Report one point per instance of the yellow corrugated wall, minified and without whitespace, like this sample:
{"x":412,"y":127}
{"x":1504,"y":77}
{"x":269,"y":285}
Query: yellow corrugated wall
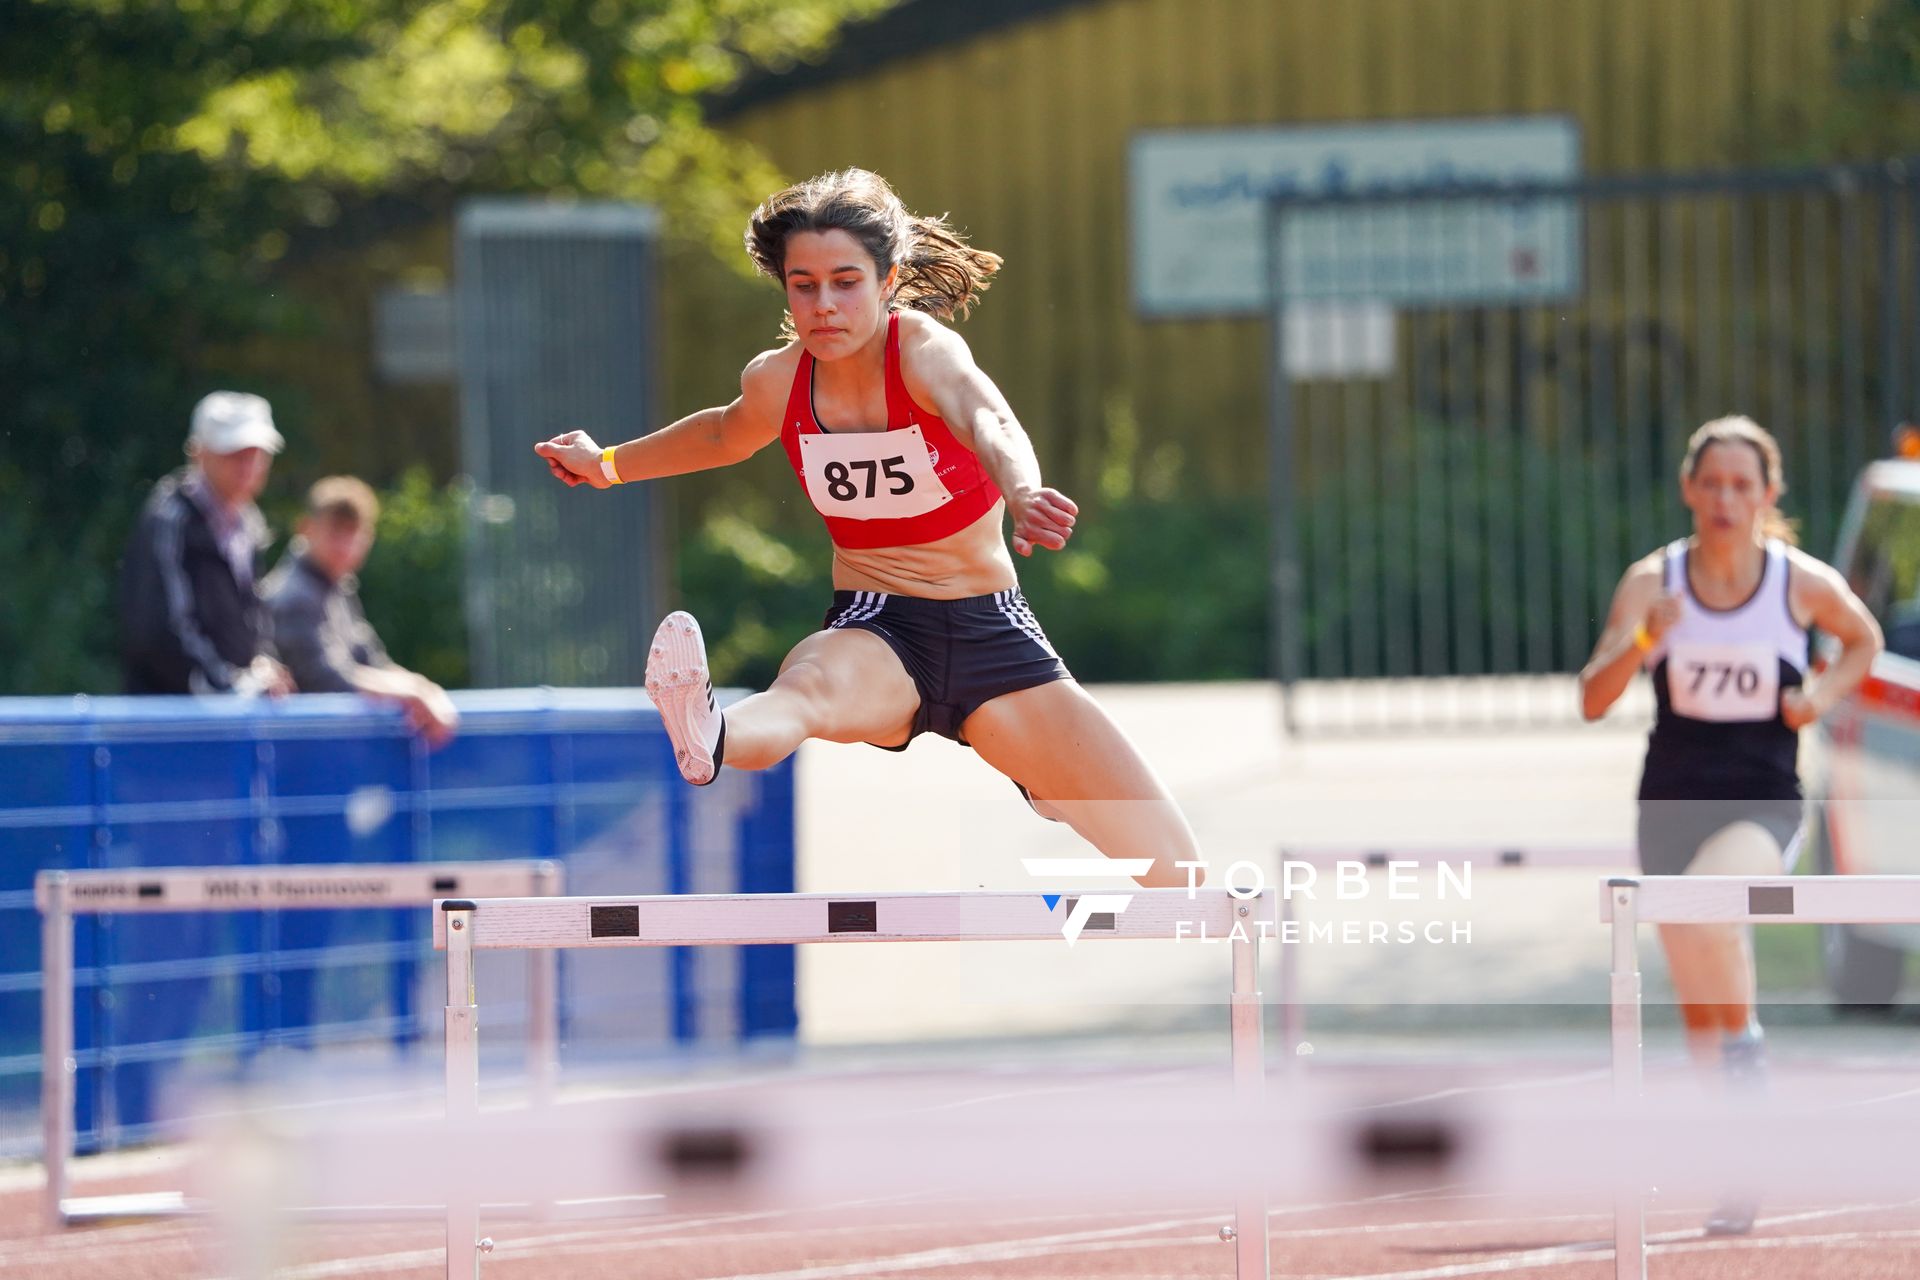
{"x":1022,"y":135}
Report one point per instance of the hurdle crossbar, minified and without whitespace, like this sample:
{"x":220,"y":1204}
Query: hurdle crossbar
{"x":464,"y":926}
{"x":62,"y":895}
{"x":1479,"y":855}
{"x":755,"y":918}
{"x":1626,"y":902}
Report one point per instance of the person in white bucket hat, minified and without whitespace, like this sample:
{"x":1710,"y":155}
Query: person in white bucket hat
{"x":190,"y":619}
{"x":230,"y":422}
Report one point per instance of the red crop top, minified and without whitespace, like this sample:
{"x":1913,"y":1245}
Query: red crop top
{"x":909,"y":484}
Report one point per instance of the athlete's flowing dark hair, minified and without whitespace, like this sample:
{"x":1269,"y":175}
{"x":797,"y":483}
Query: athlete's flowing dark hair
{"x":940,"y":272}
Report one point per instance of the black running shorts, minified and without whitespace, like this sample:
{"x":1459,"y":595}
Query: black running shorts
{"x":1672,"y":831}
{"x":960,"y":653}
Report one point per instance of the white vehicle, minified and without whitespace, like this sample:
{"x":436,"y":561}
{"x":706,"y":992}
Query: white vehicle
{"x":1864,"y":811}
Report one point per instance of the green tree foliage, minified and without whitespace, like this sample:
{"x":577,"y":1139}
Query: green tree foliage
{"x":1878,"y":73}
{"x":1871,"y":108}
{"x":166,"y":164}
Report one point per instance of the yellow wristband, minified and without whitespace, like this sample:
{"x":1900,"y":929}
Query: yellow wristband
{"x":1641,"y":639}
{"x":607,"y":468}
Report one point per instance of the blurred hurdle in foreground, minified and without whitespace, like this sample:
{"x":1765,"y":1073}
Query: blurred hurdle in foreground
{"x":823,"y":1144}
{"x":464,"y":926}
{"x":61,"y":895}
{"x":1627,"y":902}
{"x":973,"y":1149}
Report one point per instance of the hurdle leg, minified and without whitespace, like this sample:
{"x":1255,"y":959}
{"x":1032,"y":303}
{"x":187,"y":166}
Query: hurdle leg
{"x":1293,"y":1017}
{"x":543,"y":1014}
{"x":543,"y":1000}
{"x":56,"y":1045}
{"x":1629,"y":1209}
{"x":1249,"y":1090}
{"x":463,"y":1088}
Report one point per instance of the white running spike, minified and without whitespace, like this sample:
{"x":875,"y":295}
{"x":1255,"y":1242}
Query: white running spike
{"x":678,"y":683}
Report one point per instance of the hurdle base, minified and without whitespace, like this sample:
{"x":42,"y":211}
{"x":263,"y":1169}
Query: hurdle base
{"x":514,"y":1211}
{"x":139,"y":1204}
{"x":82,"y":1210}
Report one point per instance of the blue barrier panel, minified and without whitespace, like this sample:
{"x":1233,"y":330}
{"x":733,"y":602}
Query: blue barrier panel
{"x":582,"y":776}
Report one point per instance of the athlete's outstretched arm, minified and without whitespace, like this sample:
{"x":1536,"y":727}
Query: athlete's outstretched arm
{"x":1833,"y":608}
{"x":716,"y":437}
{"x":939,"y":371}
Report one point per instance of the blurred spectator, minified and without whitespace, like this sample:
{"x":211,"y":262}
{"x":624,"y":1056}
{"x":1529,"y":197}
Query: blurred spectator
{"x":319,"y":627}
{"x":190,"y":620}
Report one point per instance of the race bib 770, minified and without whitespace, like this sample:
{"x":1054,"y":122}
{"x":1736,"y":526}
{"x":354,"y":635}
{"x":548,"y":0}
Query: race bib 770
{"x":1724,"y":682}
{"x":871,"y":475}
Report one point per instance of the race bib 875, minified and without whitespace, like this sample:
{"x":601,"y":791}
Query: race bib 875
{"x":1724,"y":682}
{"x":871,"y":475}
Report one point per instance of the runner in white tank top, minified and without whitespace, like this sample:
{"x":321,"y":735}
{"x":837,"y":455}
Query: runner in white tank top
{"x":1720,"y":621}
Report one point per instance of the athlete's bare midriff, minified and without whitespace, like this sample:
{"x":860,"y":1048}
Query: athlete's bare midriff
{"x":972,"y":562}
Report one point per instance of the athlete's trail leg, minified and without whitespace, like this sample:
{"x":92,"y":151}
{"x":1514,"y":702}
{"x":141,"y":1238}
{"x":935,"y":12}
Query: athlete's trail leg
{"x":1063,"y":747}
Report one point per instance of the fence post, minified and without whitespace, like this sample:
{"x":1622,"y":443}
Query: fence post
{"x":57,"y":1068}
{"x":1282,"y":488}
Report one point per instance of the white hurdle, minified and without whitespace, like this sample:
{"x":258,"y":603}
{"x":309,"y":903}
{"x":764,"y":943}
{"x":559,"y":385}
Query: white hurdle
{"x":62,"y":895}
{"x":464,"y":926}
{"x":1480,"y":855}
{"x":825,"y":1143}
{"x":1626,"y":902}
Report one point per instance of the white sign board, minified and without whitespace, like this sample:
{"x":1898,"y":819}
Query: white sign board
{"x":1198,"y":201}
{"x":1339,"y":340}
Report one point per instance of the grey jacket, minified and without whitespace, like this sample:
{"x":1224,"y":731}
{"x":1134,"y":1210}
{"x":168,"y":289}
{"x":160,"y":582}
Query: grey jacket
{"x":319,"y":627}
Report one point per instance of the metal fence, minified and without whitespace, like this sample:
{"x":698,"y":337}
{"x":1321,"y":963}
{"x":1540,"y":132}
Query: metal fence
{"x":1481,"y":395}
{"x":557,"y":332}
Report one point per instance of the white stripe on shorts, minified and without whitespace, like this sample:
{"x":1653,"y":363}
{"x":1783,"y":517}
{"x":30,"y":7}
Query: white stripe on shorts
{"x":866,"y":605}
{"x":1021,"y":615}
{"x":1791,"y":854}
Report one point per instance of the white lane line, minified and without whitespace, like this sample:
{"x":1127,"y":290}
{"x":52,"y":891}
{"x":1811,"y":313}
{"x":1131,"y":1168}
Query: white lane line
{"x":1885,"y":1097}
{"x":1461,"y":1091}
{"x":50,"y":1257}
{"x":1554,"y":1257}
{"x":89,"y":1238}
{"x":406,"y":1259}
{"x":1043,"y":1246}
{"x":882,"y":1226}
{"x":997,"y":1251}
{"x":1014,"y":1251}
{"x":1691,"y":1240}
{"x":661,"y":1234}
{"x":1837,"y":1211}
